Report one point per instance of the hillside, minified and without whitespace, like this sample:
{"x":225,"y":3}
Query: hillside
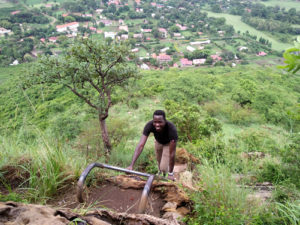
{"x":247,"y":127}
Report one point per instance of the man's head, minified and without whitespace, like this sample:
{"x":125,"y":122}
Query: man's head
{"x":159,"y":120}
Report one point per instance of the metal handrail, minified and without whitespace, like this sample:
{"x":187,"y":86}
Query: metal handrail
{"x":145,"y":193}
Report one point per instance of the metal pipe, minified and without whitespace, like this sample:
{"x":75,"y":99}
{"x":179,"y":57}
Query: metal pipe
{"x":145,"y":193}
{"x":84,"y":174}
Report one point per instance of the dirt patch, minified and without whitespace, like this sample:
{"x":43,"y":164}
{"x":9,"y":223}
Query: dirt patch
{"x":108,"y":195}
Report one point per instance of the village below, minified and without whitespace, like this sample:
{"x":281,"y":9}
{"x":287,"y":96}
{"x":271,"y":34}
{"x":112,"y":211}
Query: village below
{"x":161,"y":33}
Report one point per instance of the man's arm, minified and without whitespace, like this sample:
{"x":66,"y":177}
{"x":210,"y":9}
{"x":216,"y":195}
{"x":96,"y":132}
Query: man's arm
{"x":138,"y":150}
{"x":172,"y":155}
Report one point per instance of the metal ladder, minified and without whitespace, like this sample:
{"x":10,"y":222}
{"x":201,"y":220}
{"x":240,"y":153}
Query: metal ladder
{"x":146,"y":190}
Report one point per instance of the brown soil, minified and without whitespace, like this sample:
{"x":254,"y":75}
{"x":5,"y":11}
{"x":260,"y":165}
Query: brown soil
{"x":107,"y":195}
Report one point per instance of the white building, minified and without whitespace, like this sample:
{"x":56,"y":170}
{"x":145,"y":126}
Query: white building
{"x":190,"y":48}
{"x":67,"y":27}
{"x":123,"y":27}
{"x":4,"y":31}
{"x":145,"y":67}
{"x":198,"y":61}
{"x":200,"y":42}
{"x":164,"y":49}
{"x":111,"y":35}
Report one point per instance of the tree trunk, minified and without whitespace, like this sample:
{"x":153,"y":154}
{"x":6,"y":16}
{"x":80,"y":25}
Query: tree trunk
{"x":104,"y":133}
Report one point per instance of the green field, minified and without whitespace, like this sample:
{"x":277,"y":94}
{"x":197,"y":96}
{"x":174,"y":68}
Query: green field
{"x":243,"y":27}
{"x":286,"y":4}
{"x":5,"y":4}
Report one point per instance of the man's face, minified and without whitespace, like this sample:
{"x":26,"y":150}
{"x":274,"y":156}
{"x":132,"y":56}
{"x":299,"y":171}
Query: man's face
{"x":159,"y":122}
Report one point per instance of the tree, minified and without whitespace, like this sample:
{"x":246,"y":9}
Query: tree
{"x":90,"y":69}
{"x":292,"y":58}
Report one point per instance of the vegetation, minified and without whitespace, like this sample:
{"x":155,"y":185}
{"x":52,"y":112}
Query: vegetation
{"x":90,"y":69}
{"x":223,"y":114}
{"x":240,"y":120}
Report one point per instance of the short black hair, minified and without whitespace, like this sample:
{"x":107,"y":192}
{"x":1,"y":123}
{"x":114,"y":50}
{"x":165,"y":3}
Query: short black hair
{"x":160,"y":113}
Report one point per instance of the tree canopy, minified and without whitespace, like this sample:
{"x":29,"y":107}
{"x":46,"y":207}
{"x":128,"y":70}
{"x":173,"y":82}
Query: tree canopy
{"x":90,"y":69}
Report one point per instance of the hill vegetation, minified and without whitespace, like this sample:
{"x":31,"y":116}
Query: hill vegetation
{"x":199,"y":62}
{"x":221,"y":114}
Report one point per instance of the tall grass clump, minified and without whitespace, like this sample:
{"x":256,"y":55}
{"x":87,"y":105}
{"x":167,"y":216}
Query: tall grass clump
{"x":289,"y":212}
{"x":221,"y":201}
{"x":48,"y":165}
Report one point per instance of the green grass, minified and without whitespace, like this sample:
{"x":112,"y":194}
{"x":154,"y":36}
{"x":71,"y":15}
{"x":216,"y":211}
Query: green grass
{"x":283,"y":4}
{"x":238,"y":25}
{"x":5,"y":4}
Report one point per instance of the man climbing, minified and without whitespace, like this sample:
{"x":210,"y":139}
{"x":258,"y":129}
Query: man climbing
{"x":165,"y":134}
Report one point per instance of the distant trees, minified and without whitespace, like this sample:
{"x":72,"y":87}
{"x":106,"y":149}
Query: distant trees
{"x":90,"y":69}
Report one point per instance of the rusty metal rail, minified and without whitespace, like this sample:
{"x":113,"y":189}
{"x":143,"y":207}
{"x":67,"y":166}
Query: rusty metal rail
{"x":145,"y":193}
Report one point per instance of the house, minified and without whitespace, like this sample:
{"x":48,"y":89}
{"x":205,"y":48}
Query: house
{"x":177,"y":34}
{"x":221,"y":33}
{"x":4,"y":31}
{"x":14,"y":63}
{"x":123,"y":27}
{"x":190,"y":48}
{"x":163,"y":58}
{"x":135,"y":50}
{"x":93,"y":29}
{"x":146,"y":30}
{"x":105,"y":22}
{"x":43,"y":40}
{"x":121,"y":22}
{"x":163,"y":32}
{"x":181,"y":27}
{"x":216,"y":57}
{"x":15,"y":12}
{"x":198,"y":61}
{"x":175,"y":65}
{"x":65,"y":14}
{"x":68,"y":26}
{"x":261,"y":54}
{"x":153,"y":4}
{"x":137,"y":35}
{"x":164,"y":49}
{"x":99,"y":11}
{"x":48,"y":5}
{"x":99,"y":31}
{"x":124,"y":36}
{"x":200,"y":42}
{"x":87,"y":15}
{"x":154,"y":56}
{"x":111,"y":35}
{"x":52,"y":39}
{"x":145,"y":67}
{"x":138,"y":2}
{"x":185,"y":62}
{"x":242,"y":48}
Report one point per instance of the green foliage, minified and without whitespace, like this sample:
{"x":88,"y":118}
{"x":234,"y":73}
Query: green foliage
{"x":292,"y":58}
{"x":187,"y":119}
{"x":220,"y":201}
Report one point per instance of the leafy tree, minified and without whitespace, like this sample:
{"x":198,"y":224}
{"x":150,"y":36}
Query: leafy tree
{"x":90,"y":69}
{"x":190,"y":122}
{"x":292,"y":58}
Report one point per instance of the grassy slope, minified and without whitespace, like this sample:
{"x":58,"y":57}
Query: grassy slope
{"x":149,"y":93}
{"x":238,"y":25}
{"x":286,"y":4}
